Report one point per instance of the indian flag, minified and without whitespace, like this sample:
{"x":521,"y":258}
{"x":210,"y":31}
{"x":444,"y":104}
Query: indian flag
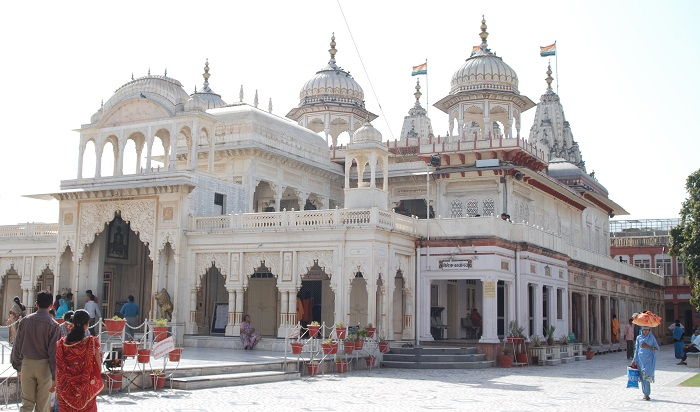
{"x":550,"y":50}
{"x":420,"y":69}
{"x":476,"y":48}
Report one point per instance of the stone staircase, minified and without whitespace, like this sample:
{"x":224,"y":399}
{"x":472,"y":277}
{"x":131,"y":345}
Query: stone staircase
{"x":435,"y":358}
{"x":233,"y":375}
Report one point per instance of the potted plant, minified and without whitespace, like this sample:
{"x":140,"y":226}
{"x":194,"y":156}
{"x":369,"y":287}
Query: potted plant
{"x":144,"y":356}
{"x":329,"y":346}
{"x":297,"y":347}
{"x":505,"y":360}
{"x":312,"y":368}
{"x":515,"y":333}
{"x":383,"y":345}
{"x":114,"y":376}
{"x":535,"y":342}
{"x":115,"y":326}
{"x":550,"y":335}
{"x":348,"y":346}
{"x":313,"y":329}
{"x":589,"y":352}
{"x":359,"y":339}
{"x":175,"y":355}
{"x":370,"y":361}
{"x":160,"y":330}
{"x":158,"y":379}
{"x":340,"y":330}
{"x":130,"y":348}
{"x":370,"y":331}
{"x":341,"y":365}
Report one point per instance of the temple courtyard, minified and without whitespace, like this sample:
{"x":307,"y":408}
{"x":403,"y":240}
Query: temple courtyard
{"x":598,"y":384}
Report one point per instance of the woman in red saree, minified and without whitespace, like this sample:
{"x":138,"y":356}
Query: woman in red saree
{"x":78,"y":368}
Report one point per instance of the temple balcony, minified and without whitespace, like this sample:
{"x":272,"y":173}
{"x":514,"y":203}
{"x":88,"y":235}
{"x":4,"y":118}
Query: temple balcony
{"x":29,"y":231}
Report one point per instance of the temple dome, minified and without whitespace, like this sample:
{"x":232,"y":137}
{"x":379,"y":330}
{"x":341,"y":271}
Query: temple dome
{"x":366,"y":134}
{"x":332,"y":84}
{"x":483,"y":70}
{"x":161,"y":86}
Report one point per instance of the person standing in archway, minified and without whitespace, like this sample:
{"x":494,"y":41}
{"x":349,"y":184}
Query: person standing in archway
{"x":130,"y":312}
{"x":17,"y":312}
{"x":93,"y":309}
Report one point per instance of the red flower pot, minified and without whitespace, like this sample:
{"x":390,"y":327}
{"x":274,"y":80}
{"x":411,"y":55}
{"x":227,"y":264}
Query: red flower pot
{"x":144,"y":356}
{"x":505,"y":361}
{"x":521,"y":357}
{"x":370,"y":361}
{"x":383,"y":347}
{"x":341,"y":366}
{"x":371,"y":332}
{"x":341,"y":333}
{"x":158,"y":380}
{"x":313,"y":330}
{"x":330,"y":348}
{"x":175,"y":355}
{"x":312,"y":368}
{"x":160,"y":333}
{"x":297,"y":347}
{"x":114,"y":327}
{"x":349,"y":347}
{"x":359,"y":344}
{"x":130,"y":348}
{"x":113,"y":381}
{"x":589,"y":355}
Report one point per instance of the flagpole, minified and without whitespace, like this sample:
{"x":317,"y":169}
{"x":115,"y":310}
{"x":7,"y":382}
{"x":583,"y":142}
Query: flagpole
{"x":427,"y":90}
{"x":556,"y":63}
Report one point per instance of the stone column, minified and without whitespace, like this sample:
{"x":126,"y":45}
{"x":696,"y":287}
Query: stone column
{"x":231,"y":312}
{"x":149,"y":149}
{"x":489,"y":303}
{"x":292,"y":307}
{"x":423,"y":315}
{"x":173,"y":148}
{"x":194,"y":149}
{"x":586,"y":322}
{"x":284,"y":305}
{"x":510,"y":302}
{"x":598,"y":320}
{"x":552,"y":291}
{"x":537,"y":315}
{"x":192,"y":327}
{"x":385,"y":174}
{"x":81,"y":155}
{"x":98,"y":159}
{"x":238,"y":314}
{"x":348,"y":165}
{"x":373,"y":170}
{"x":570,"y":313}
{"x":302,"y":197}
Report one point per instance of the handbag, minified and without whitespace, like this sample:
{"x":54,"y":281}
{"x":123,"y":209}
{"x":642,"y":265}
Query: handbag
{"x":632,"y":377}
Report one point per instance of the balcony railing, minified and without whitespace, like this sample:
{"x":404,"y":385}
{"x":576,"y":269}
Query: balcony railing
{"x":638,"y":241}
{"x":29,"y":230}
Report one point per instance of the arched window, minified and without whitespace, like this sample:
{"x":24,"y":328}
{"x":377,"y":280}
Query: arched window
{"x":472,"y":207}
{"x":456,"y":208}
{"x":489,"y":207}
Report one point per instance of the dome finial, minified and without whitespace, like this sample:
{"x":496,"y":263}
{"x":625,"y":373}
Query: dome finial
{"x":166,"y":72}
{"x":484,"y":34}
{"x":149,"y":71}
{"x":240,"y":94}
{"x":417,"y":94}
{"x":549,"y":77}
{"x":269,"y":105}
{"x":332,"y":50}
{"x":206,"y":76}
{"x":255,"y":100}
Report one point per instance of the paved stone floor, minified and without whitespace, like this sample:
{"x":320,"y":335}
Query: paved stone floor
{"x":593,"y":385}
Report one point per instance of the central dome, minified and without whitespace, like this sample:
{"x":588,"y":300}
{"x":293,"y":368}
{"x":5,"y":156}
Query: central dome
{"x":332,"y":84}
{"x":483,"y":70}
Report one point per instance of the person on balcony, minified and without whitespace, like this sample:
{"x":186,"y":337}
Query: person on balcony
{"x":645,"y":359}
{"x":248,"y":336}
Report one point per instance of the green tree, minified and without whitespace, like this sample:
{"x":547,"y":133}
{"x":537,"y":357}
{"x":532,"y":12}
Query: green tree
{"x":685,"y":238}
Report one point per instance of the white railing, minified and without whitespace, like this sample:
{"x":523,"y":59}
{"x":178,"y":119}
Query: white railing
{"x":637,"y":241}
{"x":29,"y":230}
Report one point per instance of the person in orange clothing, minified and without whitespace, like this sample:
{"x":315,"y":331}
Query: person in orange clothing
{"x":300,"y":308}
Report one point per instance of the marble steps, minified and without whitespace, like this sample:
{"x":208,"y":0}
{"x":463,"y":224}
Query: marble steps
{"x":231,"y":379}
{"x":437,"y":365}
{"x":435,"y":358}
{"x":400,"y":357}
{"x":423,"y":350}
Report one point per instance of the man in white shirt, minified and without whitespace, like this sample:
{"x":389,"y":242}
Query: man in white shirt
{"x":693,"y":347}
{"x":93,"y":309}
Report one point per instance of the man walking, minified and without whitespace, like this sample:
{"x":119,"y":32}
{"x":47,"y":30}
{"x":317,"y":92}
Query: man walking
{"x":130,"y":312}
{"x":34,"y":355}
{"x":93,"y":309}
{"x":629,"y":339}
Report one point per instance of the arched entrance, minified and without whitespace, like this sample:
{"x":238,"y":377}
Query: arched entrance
{"x":11,"y":287}
{"x":212,"y":303}
{"x":316,"y":296}
{"x":117,"y":264}
{"x":44,"y":281}
{"x":261,"y":301}
{"x":358,"y":300}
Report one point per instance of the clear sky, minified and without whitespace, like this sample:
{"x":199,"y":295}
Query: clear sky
{"x":628,"y":74}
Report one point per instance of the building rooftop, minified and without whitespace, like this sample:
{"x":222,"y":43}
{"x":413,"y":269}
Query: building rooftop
{"x":642,"y":227}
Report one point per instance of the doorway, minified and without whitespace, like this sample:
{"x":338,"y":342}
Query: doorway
{"x":11,"y":287}
{"x":212,"y":303}
{"x":261,"y":303}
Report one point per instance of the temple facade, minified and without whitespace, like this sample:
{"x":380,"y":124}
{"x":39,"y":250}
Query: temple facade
{"x":229,"y":209}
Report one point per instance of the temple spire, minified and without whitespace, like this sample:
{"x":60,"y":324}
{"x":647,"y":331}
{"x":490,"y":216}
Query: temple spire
{"x":332,"y":51}
{"x":549,"y":77}
{"x":418,"y":94}
{"x":484,"y":34}
{"x":206,"y":76}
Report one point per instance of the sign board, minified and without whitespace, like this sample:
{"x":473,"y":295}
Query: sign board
{"x":163,"y":347}
{"x":489,"y":289}
{"x":455,"y":264}
{"x":220,"y":318}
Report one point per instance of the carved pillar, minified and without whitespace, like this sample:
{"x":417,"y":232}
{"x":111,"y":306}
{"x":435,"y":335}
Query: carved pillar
{"x":238,"y":314}
{"x":292,"y":307}
{"x":81,"y":155}
{"x":231,"y":312}
{"x":586,"y":321}
{"x":373,"y":170}
{"x":173,"y":148}
{"x":192,"y":327}
{"x":284,"y":306}
{"x":98,"y":159}
{"x":302,"y":197}
{"x":537,"y":315}
{"x":489,"y":301}
{"x":195,"y":144}
{"x":348,"y":165}
{"x":385,"y":174}
{"x":149,"y":148}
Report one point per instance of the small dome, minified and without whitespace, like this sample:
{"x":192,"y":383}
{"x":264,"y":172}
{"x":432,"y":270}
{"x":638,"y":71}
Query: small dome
{"x":366,"y":134}
{"x":204,"y":101}
{"x":483,"y":70}
{"x":163,"y":86}
{"x":332,"y":84}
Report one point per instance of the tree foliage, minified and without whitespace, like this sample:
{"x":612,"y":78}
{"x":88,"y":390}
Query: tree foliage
{"x":685,"y":238}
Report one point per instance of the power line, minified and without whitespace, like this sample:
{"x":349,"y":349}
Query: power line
{"x":357,"y":50}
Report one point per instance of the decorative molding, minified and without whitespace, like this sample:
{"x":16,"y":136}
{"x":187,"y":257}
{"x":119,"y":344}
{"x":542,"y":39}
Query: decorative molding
{"x":44,"y":262}
{"x":252,"y":261}
{"x":167,"y":236}
{"x":140,"y":214}
{"x":204,"y":261}
{"x":306,"y":259}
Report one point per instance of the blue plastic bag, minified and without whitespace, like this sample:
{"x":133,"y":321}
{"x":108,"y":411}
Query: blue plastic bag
{"x":632,"y":377}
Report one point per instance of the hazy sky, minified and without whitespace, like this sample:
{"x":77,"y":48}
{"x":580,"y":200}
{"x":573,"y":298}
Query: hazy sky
{"x":628,"y":74}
